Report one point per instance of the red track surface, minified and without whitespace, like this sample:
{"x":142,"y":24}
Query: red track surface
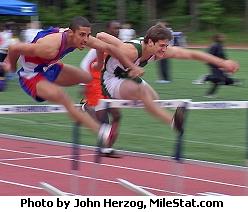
{"x":24,"y":164}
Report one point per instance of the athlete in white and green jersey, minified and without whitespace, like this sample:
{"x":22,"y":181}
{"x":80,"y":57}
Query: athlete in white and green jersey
{"x":121,"y":83}
{"x":115,"y":73}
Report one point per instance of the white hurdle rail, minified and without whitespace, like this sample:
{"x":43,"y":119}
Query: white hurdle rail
{"x":30,"y":109}
{"x":113,"y":103}
{"x":104,"y":103}
{"x":120,"y":103}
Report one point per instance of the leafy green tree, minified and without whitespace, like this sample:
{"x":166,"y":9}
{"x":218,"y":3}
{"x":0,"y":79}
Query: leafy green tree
{"x":56,"y":16}
{"x":106,"y":10}
{"x":246,"y":15}
{"x":136,"y":14}
{"x":49,"y":16}
{"x":210,"y":13}
{"x":73,"y":10}
{"x":193,"y":10}
{"x":177,"y":14}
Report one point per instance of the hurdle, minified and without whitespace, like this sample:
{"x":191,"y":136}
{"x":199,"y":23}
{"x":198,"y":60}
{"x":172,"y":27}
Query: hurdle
{"x":178,"y":169}
{"x":177,"y":156}
{"x":209,"y":105}
{"x":120,"y":103}
{"x":32,"y":109}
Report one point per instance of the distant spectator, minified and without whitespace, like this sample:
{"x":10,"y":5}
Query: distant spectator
{"x":5,"y":40}
{"x":32,"y":29}
{"x":164,"y":64}
{"x":126,"y":33}
{"x":217,"y":77}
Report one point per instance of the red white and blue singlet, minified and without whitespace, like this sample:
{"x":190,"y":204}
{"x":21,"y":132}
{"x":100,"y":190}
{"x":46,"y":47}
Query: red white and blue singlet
{"x":35,"y":68}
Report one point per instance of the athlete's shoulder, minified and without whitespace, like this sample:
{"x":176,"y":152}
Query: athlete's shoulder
{"x":135,"y":47}
{"x":130,"y":50}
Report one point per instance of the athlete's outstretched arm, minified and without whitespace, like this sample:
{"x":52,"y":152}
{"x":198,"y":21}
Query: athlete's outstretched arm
{"x":182,"y":53}
{"x":112,"y":50}
{"x":109,"y":39}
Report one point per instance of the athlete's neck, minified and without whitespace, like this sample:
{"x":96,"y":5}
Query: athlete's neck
{"x":68,"y":40}
{"x":146,"y":53}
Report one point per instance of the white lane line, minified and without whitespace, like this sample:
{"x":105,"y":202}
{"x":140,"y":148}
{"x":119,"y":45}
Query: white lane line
{"x":19,"y":184}
{"x":17,"y":151}
{"x":211,"y":194}
{"x":43,"y":157}
{"x":16,"y":138}
{"x":39,"y":156}
{"x":83,"y":177}
{"x":159,"y":173}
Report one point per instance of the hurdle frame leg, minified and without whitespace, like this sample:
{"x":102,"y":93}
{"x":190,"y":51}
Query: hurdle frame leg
{"x":135,"y":188}
{"x":74,"y":181}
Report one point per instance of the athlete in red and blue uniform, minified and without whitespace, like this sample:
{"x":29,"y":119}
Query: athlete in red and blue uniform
{"x":35,"y":69}
{"x":42,"y":74}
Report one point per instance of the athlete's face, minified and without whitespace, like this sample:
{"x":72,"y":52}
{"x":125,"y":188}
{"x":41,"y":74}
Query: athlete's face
{"x":114,"y":29}
{"x":160,"y":48}
{"x":81,"y":36}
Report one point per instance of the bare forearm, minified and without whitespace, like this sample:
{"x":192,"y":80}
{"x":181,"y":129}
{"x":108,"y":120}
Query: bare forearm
{"x":100,"y":59}
{"x":208,"y":58}
{"x":124,"y":60}
{"x":226,"y":65}
{"x":12,"y":58}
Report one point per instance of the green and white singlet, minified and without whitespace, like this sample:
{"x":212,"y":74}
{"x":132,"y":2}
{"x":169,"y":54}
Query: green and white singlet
{"x":114,"y":73}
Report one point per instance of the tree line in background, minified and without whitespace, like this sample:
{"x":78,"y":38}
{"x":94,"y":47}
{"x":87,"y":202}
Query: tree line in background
{"x":185,"y":15}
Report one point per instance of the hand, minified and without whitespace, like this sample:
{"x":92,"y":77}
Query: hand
{"x":230,"y":66}
{"x":98,"y":66}
{"x":5,"y":66}
{"x":136,"y":72}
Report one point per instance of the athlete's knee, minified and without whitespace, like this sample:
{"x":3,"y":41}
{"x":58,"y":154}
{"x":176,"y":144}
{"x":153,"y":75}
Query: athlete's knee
{"x":145,"y":93}
{"x":140,"y":92}
{"x":154,"y":95}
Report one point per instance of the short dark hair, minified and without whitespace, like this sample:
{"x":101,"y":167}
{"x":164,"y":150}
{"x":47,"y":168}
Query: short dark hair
{"x":79,"y":21}
{"x":158,"y":32}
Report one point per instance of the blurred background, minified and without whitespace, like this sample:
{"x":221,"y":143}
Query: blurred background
{"x":197,"y":19}
{"x":217,"y":135}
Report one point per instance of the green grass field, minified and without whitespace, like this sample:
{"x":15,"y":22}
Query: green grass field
{"x":212,"y":135}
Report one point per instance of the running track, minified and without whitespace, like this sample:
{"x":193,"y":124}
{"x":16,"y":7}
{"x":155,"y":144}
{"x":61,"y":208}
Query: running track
{"x":24,"y":164}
